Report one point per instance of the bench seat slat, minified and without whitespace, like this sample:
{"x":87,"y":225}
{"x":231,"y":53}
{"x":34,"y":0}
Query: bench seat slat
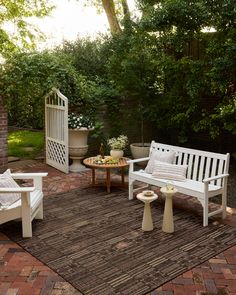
{"x":213,"y":170}
{"x":180,"y":155}
{"x":190,"y":164}
{"x":195,"y":167}
{"x":185,"y":161}
{"x":201,"y":169}
{"x":192,"y":186}
{"x":207,"y":170}
{"x":220,"y":171}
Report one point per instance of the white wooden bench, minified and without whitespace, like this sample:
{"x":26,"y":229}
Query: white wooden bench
{"x":207,"y":175}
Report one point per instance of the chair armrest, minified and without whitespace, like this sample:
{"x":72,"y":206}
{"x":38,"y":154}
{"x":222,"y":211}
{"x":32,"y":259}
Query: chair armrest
{"x":138,"y":160}
{"x":37,"y":178}
{"x":215,"y":177}
{"x":27,"y":189}
{"x":28,"y":175}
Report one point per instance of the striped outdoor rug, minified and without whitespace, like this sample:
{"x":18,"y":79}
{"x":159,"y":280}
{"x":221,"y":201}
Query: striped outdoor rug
{"x":94,"y":241}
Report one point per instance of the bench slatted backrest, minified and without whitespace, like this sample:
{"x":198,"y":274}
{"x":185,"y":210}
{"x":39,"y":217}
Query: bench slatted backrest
{"x":201,"y":164}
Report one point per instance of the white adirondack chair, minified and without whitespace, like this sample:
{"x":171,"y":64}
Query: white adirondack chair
{"x":29,"y":206}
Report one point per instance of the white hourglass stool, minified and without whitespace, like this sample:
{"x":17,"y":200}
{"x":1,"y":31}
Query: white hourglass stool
{"x":168,"y":223}
{"x":147,"y":224}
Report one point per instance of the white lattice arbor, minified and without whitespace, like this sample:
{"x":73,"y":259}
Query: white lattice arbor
{"x":56,"y":129}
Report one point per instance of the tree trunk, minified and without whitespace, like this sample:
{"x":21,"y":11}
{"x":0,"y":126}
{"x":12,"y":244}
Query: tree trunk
{"x":3,"y":136}
{"x":109,"y":8}
{"x":125,"y":9}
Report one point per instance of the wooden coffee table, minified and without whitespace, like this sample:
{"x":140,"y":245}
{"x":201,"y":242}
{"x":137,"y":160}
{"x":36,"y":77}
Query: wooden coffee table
{"x":122,"y":163}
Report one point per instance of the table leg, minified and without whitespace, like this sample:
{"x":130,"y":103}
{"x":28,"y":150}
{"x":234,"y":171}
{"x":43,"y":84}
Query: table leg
{"x":147,"y":224}
{"x":123,"y":176}
{"x":108,"y":180}
{"x":93,"y":176}
{"x":168,"y":223}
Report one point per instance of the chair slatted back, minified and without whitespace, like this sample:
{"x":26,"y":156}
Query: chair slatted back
{"x":201,"y":164}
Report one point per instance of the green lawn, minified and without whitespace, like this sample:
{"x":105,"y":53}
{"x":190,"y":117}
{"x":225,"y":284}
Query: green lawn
{"x":25,"y":144}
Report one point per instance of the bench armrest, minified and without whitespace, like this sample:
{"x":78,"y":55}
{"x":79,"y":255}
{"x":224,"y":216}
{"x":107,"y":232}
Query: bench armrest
{"x":138,"y":160}
{"x":28,"y":175}
{"x":215,"y":177}
{"x":27,"y":189}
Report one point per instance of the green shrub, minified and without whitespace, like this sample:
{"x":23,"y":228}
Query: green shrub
{"x":27,"y":78}
{"x":87,"y":56}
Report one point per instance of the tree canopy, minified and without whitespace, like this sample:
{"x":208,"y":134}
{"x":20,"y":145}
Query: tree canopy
{"x":196,"y":65}
{"x":15,"y":30}
{"x":162,"y":67}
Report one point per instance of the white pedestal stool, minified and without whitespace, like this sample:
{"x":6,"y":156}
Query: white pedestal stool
{"x":147,"y":224}
{"x":168,"y":223}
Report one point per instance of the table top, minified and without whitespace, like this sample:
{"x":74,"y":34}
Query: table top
{"x":121,"y":163}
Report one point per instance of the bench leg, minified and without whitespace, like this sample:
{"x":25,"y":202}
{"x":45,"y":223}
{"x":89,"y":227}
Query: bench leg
{"x":26,"y":216}
{"x":39,"y":214}
{"x":26,"y":224}
{"x":224,"y":204}
{"x":131,"y":189}
{"x":205,"y":213}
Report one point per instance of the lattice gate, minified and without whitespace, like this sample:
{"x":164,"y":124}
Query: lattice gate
{"x":56,"y":129}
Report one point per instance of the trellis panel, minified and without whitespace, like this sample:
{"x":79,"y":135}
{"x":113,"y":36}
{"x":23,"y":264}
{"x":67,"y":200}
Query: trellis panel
{"x":56,"y":130}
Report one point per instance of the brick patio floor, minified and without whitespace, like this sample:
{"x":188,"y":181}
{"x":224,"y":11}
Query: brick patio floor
{"x":23,"y":274}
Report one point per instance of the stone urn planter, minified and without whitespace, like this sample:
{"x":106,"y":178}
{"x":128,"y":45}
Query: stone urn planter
{"x":139,"y":150}
{"x":78,"y":147}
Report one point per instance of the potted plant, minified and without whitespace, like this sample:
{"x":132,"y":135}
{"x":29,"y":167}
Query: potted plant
{"x":140,"y":149}
{"x":79,"y":128}
{"x":117,"y":145}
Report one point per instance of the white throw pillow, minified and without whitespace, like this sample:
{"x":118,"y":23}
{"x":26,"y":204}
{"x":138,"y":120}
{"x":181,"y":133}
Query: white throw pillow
{"x":169,"y":171}
{"x":6,"y":181}
{"x":167,"y":157}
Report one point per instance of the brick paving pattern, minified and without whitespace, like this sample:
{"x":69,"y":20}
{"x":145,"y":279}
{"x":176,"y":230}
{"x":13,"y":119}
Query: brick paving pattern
{"x":19,"y":270}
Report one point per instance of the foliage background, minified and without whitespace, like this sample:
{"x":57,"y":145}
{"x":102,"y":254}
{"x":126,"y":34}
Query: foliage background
{"x":162,"y":70}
